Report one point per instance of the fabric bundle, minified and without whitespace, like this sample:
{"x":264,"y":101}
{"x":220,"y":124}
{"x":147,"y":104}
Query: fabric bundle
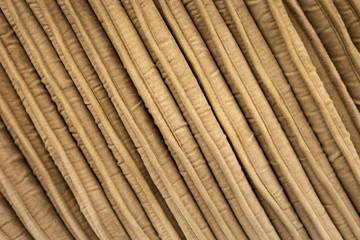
{"x":179,"y":119}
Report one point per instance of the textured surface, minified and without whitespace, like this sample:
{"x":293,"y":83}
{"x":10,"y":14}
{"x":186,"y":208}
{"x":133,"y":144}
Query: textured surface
{"x":179,"y":119}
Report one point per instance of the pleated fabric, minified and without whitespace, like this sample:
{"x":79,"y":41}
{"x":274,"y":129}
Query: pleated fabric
{"x":179,"y":119}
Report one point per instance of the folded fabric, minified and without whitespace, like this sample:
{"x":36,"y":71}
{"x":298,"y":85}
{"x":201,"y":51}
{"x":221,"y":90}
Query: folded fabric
{"x":179,"y":119}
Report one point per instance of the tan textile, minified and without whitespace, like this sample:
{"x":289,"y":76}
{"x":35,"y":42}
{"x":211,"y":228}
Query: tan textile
{"x":179,"y":119}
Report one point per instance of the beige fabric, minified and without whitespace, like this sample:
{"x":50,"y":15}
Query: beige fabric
{"x":179,"y":119}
